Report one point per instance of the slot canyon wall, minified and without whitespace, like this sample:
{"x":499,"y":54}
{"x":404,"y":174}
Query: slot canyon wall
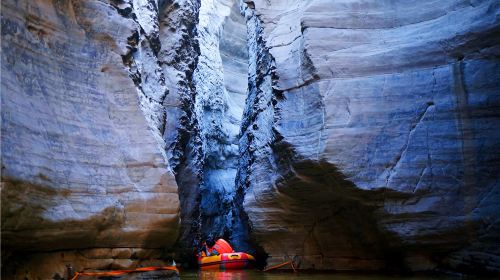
{"x":345,"y":134}
{"x":370,"y":134}
{"x":96,"y":117}
{"x":221,"y":86}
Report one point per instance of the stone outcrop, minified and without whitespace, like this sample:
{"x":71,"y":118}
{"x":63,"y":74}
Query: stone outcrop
{"x":370,"y":135}
{"x":84,"y":111}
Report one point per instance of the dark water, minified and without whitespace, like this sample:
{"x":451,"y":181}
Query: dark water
{"x":258,"y":275}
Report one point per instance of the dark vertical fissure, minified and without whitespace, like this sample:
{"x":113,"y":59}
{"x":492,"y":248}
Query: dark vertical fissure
{"x":203,"y":146}
{"x":221,"y":81}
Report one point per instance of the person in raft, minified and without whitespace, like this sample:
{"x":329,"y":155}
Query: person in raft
{"x":213,"y":248}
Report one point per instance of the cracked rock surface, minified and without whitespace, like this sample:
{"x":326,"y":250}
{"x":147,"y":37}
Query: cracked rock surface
{"x":370,"y":135}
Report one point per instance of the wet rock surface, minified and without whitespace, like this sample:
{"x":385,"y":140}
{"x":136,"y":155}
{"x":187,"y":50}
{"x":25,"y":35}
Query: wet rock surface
{"x":369,"y":139}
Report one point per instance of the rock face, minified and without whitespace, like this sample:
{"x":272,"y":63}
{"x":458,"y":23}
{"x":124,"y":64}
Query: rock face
{"x":346,"y":134}
{"x":221,"y":86}
{"x":370,"y":134}
{"x":84,"y":107}
{"x":178,"y":58}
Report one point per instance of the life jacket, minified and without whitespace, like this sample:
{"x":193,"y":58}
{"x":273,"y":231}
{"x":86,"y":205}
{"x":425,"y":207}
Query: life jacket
{"x":221,"y":246}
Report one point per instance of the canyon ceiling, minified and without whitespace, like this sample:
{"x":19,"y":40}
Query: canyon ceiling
{"x":347,"y":134}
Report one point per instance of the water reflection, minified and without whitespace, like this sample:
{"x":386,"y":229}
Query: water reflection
{"x":223,"y":275}
{"x":258,"y":275}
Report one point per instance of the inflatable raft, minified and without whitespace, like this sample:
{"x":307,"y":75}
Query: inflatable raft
{"x":237,"y":260}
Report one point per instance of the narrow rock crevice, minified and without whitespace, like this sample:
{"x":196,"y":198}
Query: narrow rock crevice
{"x":257,"y":135}
{"x":220,"y":84}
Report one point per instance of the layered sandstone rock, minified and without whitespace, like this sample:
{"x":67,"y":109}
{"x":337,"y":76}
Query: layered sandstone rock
{"x":370,"y":136}
{"x":367,"y":138}
{"x":83,"y":160}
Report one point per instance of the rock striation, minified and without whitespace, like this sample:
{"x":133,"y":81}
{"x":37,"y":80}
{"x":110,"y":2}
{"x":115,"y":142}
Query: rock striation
{"x":369,"y":138}
{"x":86,"y":89}
{"x":343,"y":134}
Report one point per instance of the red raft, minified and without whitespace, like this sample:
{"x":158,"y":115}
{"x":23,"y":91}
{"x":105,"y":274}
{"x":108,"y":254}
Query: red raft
{"x":237,"y":260}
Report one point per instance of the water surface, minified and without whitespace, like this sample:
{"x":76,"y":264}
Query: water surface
{"x":258,"y":275}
